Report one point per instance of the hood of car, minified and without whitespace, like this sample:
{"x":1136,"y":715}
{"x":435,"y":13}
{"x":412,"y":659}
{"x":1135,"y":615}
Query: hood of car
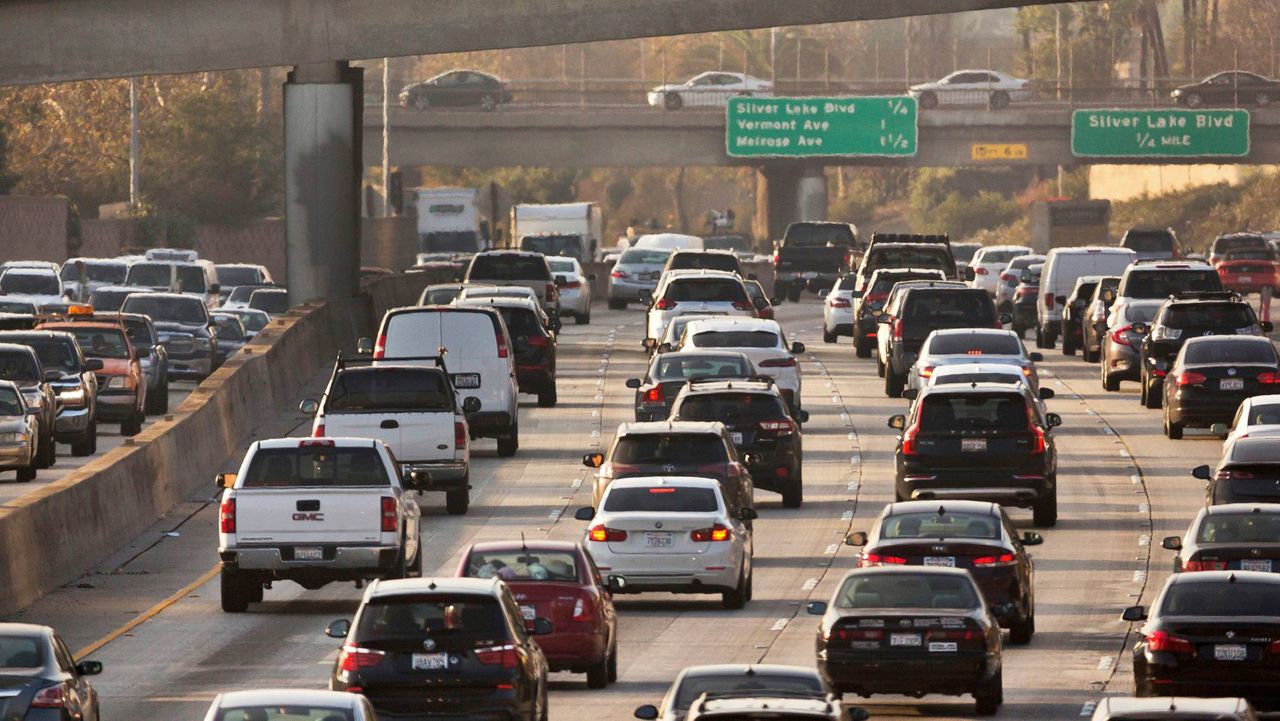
{"x":115,"y":367}
{"x":12,"y":424}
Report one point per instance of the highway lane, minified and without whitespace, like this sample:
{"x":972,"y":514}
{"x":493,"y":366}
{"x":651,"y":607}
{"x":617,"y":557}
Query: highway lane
{"x":1093,"y":563}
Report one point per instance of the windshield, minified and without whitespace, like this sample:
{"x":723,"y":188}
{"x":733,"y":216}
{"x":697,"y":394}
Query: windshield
{"x":819,"y":234}
{"x":659,"y":448}
{"x":139,"y":333}
{"x":694,"y":686}
{"x":1238,"y":242}
{"x":1239,"y":528}
{"x":1001,"y":256}
{"x":1164,"y":283}
{"x":231,"y":275}
{"x":1229,"y":352}
{"x":440,"y":296}
{"x":686,"y":367}
{"x":731,"y":407}
{"x":523,"y":565}
{"x":552,"y":244}
{"x":229,"y":327}
{"x":19,"y":367}
{"x":187,"y":311}
{"x":884,"y":282}
{"x":1208,"y":315}
{"x":276,"y":712}
{"x":508,"y":266}
{"x":710,"y":261}
{"x":390,"y":389}
{"x":253,"y":322}
{"x":1141,"y":312}
{"x":661,"y":499}
{"x":974,"y":344}
{"x":270,"y":301}
{"x":907,"y":590}
{"x":641,"y":256}
{"x":1149,"y":241}
{"x":414,"y":617}
{"x":941,"y":524}
{"x":734,"y":243}
{"x":974,"y":412}
{"x":54,"y":353}
{"x":17,"y":306}
{"x":315,"y":466}
{"x":30,"y":283}
{"x":958,"y":308}
{"x":97,"y":272}
{"x":522,"y":323}
{"x":153,"y":275}
{"x":449,"y":241}
{"x":963,"y":252}
{"x":20,"y":652}
{"x":10,"y":402}
{"x":101,"y":342}
{"x":706,"y":290}
{"x":1221,"y":598}
{"x":562,"y":266}
{"x":924,"y":257}
{"x":736,"y":339}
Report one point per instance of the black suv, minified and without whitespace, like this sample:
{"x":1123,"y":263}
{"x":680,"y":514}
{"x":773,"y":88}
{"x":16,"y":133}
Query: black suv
{"x":449,"y":647}
{"x":153,"y":357}
{"x":184,"y":329}
{"x":74,"y":383}
{"x":908,"y":250}
{"x":759,"y":425}
{"x":983,"y":441}
{"x":924,"y":310}
{"x":534,"y":340}
{"x":1075,"y":307}
{"x":870,"y":300}
{"x":704,"y":259}
{"x":1188,"y":315}
{"x":20,"y":365}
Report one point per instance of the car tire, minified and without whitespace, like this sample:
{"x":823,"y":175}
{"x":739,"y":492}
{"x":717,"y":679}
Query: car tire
{"x":893,"y":383}
{"x":414,"y":570}
{"x":48,"y":451}
{"x":1172,"y":429}
{"x":989,"y":695}
{"x":510,"y":443}
{"x":1089,"y":356}
{"x":582,"y":319}
{"x":1044,"y":514}
{"x":1109,"y":383}
{"x":793,"y":293}
{"x":158,"y":400}
{"x":1154,"y":399}
{"x":617,"y":304}
{"x":547,"y":397}
{"x":1050,"y":337}
{"x":737,"y":598}
{"x":928,"y":100}
{"x":1040,"y":337}
{"x":1193,"y":100}
{"x":861,"y":348}
{"x":1068,"y":345}
{"x":613,"y":664}
{"x":89,"y":444}
{"x":879,"y":368}
{"x":998,"y":100}
{"x":598,"y":674}
{"x":794,"y":496}
{"x":237,"y":592}
{"x":457,"y":502}
{"x":133,"y":426}
{"x":672,"y":101}
{"x":828,"y":336}
{"x":1021,"y":631}
{"x":488,"y":103}
{"x":27,"y":473}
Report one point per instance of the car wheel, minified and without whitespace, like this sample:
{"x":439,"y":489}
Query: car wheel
{"x":421,"y":102}
{"x":1109,"y":383}
{"x":158,"y":400}
{"x":989,"y":695}
{"x":1021,"y":631}
{"x":237,"y":592}
{"x":582,"y":319}
{"x":89,"y":444}
{"x":27,"y":473}
{"x":737,"y":598}
{"x":1193,"y":100}
{"x":928,"y":100}
{"x":510,"y":443}
{"x":133,"y":426}
{"x":879,"y":368}
{"x":1172,"y":429}
{"x":414,"y":570}
{"x":547,"y":396}
{"x":1089,"y":356}
{"x":1044,"y":513}
{"x":1155,"y":398}
{"x":47,"y":450}
{"x":793,"y":293}
{"x":893,"y":383}
{"x":617,"y":304}
{"x":457,"y":502}
{"x":1068,"y":345}
{"x":828,"y":336}
{"x":861,"y":348}
{"x":1050,"y":337}
{"x":672,"y":101}
{"x":488,"y":103}
{"x":598,"y":675}
{"x":1262,"y":100}
{"x":793,"y":497}
{"x":998,"y":100}
{"x":613,"y":664}
{"x":1040,"y":337}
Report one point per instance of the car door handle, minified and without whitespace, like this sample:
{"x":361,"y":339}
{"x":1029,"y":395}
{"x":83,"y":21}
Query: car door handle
{"x":389,"y":423}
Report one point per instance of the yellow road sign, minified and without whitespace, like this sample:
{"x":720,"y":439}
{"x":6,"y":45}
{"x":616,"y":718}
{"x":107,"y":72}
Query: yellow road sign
{"x":998,"y":151}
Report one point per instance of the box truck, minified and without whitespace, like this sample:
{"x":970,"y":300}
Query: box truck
{"x":568,"y":229}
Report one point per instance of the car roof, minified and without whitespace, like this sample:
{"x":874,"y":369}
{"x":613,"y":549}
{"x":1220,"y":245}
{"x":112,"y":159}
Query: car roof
{"x":1226,"y":508}
{"x":515,"y":302}
{"x":985,"y":387}
{"x":725,"y":669}
{"x":692,"y":427}
{"x":701,"y":251}
{"x":1090,"y":250}
{"x":61,"y":324}
{"x":176,"y":296}
{"x":300,"y":442}
{"x":288,"y":696}
{"x":976,"y":331}
{"x":673,"y":481}
{"x":16,"y":347}
{"x":1266,"y":577}
{"x":27,"y":270}
{"x":979,"y":507}
{"x":24,"y":629}
{"x":534,"y":545}
{"x":771,"y":704}
{"x":1119,"y":704}
{"x":907,"y":271}
{"x":503,"y":253}
{"x":1006,"y":247}
{"x":699,"y":273}
{"x":702,"y":352}
{"x":732,"y":322}
{"x":1253,"y":339}
{"x":1167,"y":265}
{"x":435,"y":584}
{"x":713,"y":384}
{"x":1008,"y":369}
{"x":897,"y":570}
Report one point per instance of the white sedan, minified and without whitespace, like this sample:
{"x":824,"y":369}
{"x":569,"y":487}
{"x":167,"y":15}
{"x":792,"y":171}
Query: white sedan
{"x":575,"y":291}
{"x":710,"y":89}
{"x":972,"y":87}
{"x":290,"y":703}
{"x":761,"y":341}
{"x":1257,"y":416}
{"x":672,"y":534}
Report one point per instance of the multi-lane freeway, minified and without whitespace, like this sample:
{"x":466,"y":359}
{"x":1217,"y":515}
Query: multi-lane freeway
{"x":152,"y":615}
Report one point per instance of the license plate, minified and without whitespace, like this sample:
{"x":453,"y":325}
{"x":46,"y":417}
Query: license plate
{"x":942,"y":646}
{"x":737,"y":438}
{"x":1244,"y":278}
{"x":650,"y":276}
{"x":1253,"y":564}
{"x":1230,"y":652}
{"x":657,"y":540}
{"x":528,"y":613}
{"x":308,"y":553}
{"x":944,"y":561}
{"x":1231,"y":384}
{"x":430,"y":662}
{"x":973,"y":445}
{"x":904,"y":639}
{"x":808,"y":276}
{"x":466,"y":380}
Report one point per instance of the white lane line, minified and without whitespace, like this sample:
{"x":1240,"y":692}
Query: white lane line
{"x":1135,"y":479}
{"x":831,"y":550}
{"x":1139,"y":576}
{"x":1144,"y":540}
{"x":1087,"y":709}
{"x":1104,"y":663}
{"x":577,"y":483}
{"x":1107,"y":431}
{"x":555,"y":514}
{"x":779,"y":624}
{"x":853,"y":485}
{"x":855,"y":460}
{"x":853,"y":436}
{"x":1144,"y":508}
{"x":846,"y":516}
{"x":1090,"y":411}
{"x":1123,"y":452}
{"x":810,"y":584}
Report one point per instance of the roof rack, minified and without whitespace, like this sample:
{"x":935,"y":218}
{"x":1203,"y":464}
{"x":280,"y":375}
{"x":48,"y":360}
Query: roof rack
{"x":1206,"y":295}
{"x":767,"y":380}
{"x":343,"y":361}
{"x":1175,"y":261}
{"x":931,"y":238}
{"x":761,"y":693}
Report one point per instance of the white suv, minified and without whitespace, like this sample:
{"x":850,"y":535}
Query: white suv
{"x":696,"y":291}
{"x":761,"y":341}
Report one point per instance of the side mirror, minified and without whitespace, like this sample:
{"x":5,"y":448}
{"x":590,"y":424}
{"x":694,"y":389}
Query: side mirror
{"x":1266,"y":326}
{"x":1046,"y":394}
{"x":855,"y":294}
{"x":897,"y":422}
{"x":857,"y":539}
{"x":225,"y":480}
{"x":542,"y":627}
{"x":364,"y":346}
{"x":586,"y":513}
{"x":1062,"y":299}
{"x":1171,"y":543}
{"x":1220,"y":430}
{"x":748,"y":514}
{"x":664,"y":348}
{"x":1031,"y":538}
{"x":802,"y":416}
{"x":1036,"y":357}
{"x":338,"y":629}
{"x":593,"y":460}
{"x":911,"y":393}
{"x":93,"y":364}
{"x":1204,"y":473}
{"x":1005,"y":319}
{"x":309,"y":406}
{"x":648,"y":712}
{"x":633,"y":383}
{"x":816,"y":608}
{"x":1053,"y":419}
{"x":89,"y":668}
{"x":1134,"y":613}
{"x":797,"y":348}
{"x":470,"y":404}
{"x":52,"y":375}
{"x":649,"y":343}
{"x":969,"y":274}
{"x":1140,"y":328}
{"x":617,"y":584}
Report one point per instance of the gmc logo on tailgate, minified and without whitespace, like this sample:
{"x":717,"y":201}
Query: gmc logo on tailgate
{"x":308,"y":516}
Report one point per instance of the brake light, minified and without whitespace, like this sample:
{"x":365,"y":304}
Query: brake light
{"x":848,"y":258}
{"x":320,"y":443}
{"x":653,"y":395}
{"x":318,"y":431}
{"x":777,"y":259}
{"x":980,"y":271}
{"x":1048,"y":301}
{"x":788,"y":362}
{"x":227,"y":516}
{"x":1009,"y":277}
{"x":664,"y":304}
{"x":538,"y":341}
{"x":354,"y":658}
{"x":897,"y":329}
{"x":573,"y":284}
{"x":839,"y":302}
{"x":926,"y":372}
{"x":743,"y":305}
{"x":389,"y":519}
{"x":909,"y":439}
{"x":1204,"y":566}
{"x":938,"y":634}
{"x":1038,"y":439}
{"x":502,"y":341}
{"x":380,"y":348}
{"x":1230,"y":475}
{"x":1269,"y":378}
{"x":707,"y":535}
{"x":552,"y":292}
{"x":459,"y":436}
{"x":1165,"y":641}
{"x":504,"y":655}
{"x":1004,"y":559}
{"x":584,"y":609}
{"x":1273,"y":647}
{"x":49,"y":697}
{"x":783,"y":427}
{"x":876,"y":559}
{"x":604,"y":534}
{"x":660,"y":491}
{"x":844,"y":633}
{"x":1191,"y":378}
{"x":619,"y":274}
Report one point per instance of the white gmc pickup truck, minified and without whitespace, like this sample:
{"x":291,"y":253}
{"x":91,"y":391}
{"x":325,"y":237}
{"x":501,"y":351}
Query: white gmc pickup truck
{"x":314,"y":511}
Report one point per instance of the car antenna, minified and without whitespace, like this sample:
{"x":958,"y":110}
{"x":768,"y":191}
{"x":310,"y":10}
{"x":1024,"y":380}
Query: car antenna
{"x":751,"y":670}
{"x":942,"y":510}
{"x":524,"y":548}
{"x":432,"y":585}
{"x":1231,"y":578}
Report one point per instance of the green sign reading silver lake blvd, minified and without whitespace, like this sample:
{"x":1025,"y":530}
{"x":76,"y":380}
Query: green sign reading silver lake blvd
{"x":805,"y":127}
{"x":1159,"y":133}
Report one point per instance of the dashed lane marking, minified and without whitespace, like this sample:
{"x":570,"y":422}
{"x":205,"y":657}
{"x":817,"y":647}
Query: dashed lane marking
{"x":810,"y":584}
{"x":779,"y":624}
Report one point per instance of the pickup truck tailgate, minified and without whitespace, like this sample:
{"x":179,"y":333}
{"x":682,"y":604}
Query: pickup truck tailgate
{"x":412,"y":437}
{"x":309,"y":515}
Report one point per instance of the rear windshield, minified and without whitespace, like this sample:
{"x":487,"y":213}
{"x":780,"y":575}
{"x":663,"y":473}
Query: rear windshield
{"x":229,"y":275}
{"x":10,"y":403}
{"x":20,"y":652}
{"x":189,"y":311}
{"x":508,"y":266}
{"x":710,"y":261}
{"x":446,"y":240}
{"x":964,"y":253}
{"x":907,"y":590}
{"x":1148,"y":241}
{"x":400,"y":618}
{"x":1140,"y":312}
{"x":522,"y":322}
{"x":552,"y":244}
{"x":30,"y":283}
{"x":736,"y":339}
{"x":292,"y":712}
{"x":390,"y":389}
{"x":139,"y":332}
{"x":941,"y":524}
{"x":253,"y":322}
{"x":884,"y":282}
{"x":974,"y":344}
{"x":915,"y":257}
{"x":661,"y":499}
{"x":242,"y":293}
{"x":1001,"y":256}
{"x":1229,"y":352}
{"x":834,"y":234}
{"x":439,"y":296}
{"x":561,"y":265}
{"x":706,"y":290}
{"x":1259,"y":450}
{"x":642,"y":256}
{"x":1251,"y":254}
{"x":101,"y":342}
{"x":1221,"y":598}
{"x":1264,"y":415}
{"x":735,"y":243}
{"x":987,"y":377}
{"x":1223,"y":245}
{"x":1084,"y":290}
{"x":958,"y":308}
{"x":974,"y":412}
{"x":1164,"y":283}
{"x":19,"y":367}
{"x":1208,"y":315}
{"x":1239,"y":528}
{"x":694,"y":686}
{"x":150,"y":274}
{"x":270,"y":301}
{"x":679,"y":368}
{"x":315,"y":466}
{"x":731,"y":407}
{"x":676,"y":448}
{"x":97,"y":272}
{"x":191,"y":279}
{"x":54,"y":353}
{"x":523,"y":565}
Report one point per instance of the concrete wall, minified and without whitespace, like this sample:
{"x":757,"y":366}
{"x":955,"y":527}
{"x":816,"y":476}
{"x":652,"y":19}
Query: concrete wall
{"x":389,"y":242}
{"x":261,"y":242}
{"x":52,"y":536}
{"x":33,"y":228}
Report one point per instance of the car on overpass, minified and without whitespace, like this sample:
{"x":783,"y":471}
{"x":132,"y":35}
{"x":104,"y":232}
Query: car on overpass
{"x":1233,"y":88}
{"x":457,"y":89}
{"x":711,"y":89}
{"x":972,"y":87}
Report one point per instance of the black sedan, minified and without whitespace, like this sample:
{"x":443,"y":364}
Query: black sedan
{"x":1228,"y":88}
{"x":1249,"y":472}
{"x":1210,"y":634}
{"x":912,"y":631}
{"x":668,"y":372}
{"x":41,"y":682}
{"x":961,"y":534}
{"x":1212,"y":375}
{"x":457,"y":88}
{"x":1230,"y":537}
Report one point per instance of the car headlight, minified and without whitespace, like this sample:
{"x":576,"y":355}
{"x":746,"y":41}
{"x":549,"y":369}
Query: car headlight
{"x":14,"y":437}
{"x":72,"y":398}
{"x":122,"y":382}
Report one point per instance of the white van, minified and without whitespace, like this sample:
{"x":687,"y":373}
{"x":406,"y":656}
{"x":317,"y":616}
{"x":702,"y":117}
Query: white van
{"x":1062,"y":266}
{"x":669,"y":241}
{"x":477,"y":354}
{"x":197,"y":277}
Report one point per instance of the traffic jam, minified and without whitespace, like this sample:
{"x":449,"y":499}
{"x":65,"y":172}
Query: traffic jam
{"x":941,"y":586}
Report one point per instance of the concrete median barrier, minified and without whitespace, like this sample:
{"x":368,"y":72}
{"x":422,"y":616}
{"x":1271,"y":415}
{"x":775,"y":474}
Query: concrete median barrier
{"x":52,"y":536}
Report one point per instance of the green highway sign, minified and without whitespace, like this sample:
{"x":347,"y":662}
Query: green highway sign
{"x":1159,"y":133}
{"x":806,"y":127}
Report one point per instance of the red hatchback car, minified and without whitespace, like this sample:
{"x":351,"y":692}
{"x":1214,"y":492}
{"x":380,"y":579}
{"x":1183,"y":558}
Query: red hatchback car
{"x":1248,"y":270}
{"x":558,"y":581}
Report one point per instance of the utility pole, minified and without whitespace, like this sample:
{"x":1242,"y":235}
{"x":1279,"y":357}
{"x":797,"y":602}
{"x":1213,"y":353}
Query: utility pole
{"x":773,"y":56}
{"x":1057,"y":48}
{"x":135,"y":144}
{"x":386,"y":138}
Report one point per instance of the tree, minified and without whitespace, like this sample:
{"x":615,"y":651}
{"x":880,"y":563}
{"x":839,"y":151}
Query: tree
{"x":7,"y":180}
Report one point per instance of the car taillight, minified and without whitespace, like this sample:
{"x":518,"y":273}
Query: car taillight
{"x":604,"y":534}
{"x":1117,"y":335}
{"x":1004,"y":559}
{"x":1191,"y":378}
{"x":707,"y":535}
{"x":354,"y":658}
{"x":1269,"y":378}
{"x":502,"y":342}
{"x":980,"y":271}
{"x":848,"y":259}
{"x":653,"y":395}
{"x":49,"y":697}
{"x":839,"y":302}
{"x":504,"y":655}
{"x":317,"y":431}
{"x":1233,"y":475}
{"x":744,"y":305}
{"x":664,"y":304}
{"x":926,"y":372}
{"x":389,"y":514}
{"x":573,"y":284}
{"x":909,"y":439}
{"x":844,"y":633}
{"x":1204,"y":566}
{"x":783,"y":427}
{"x":1037,"y":435}
{"x":1008,"y":277}
{"x":380,"y":348}
{"x":777,"y":259}
{"x":1048,"y":301}
{"x":584,"y":609}
{"x":897,"y":329}
{"x":788,"y":362}
{"x":538,"y":341}
{"x":940,"y":634}
{"x":1164,"y":641}
{"x":619,"y":274}
{"x":552,"y":292}
{"x":227,"y":516}
{"x":459,"y":435}
{"x":877,"y":559}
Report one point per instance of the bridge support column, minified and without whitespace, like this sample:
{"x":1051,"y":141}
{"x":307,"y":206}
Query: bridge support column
{"x":323,"y":117}
{"x":785,"y":194}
